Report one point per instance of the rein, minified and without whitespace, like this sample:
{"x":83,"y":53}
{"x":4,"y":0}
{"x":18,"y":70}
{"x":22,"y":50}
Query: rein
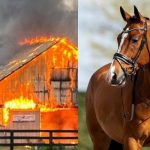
{"x":133,"y":63}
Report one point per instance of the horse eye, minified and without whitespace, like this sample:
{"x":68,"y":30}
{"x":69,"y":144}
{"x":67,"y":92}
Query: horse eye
{"x":134,"y":40}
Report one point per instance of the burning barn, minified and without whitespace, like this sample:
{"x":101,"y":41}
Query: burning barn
{"x":43,"y":79}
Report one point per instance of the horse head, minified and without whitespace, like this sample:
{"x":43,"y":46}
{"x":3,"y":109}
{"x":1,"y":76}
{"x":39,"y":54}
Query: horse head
{"x":133,"y":49}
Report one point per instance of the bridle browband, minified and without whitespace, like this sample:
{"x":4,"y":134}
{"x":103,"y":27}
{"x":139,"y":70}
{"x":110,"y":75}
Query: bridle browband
{"x":132,"y":62}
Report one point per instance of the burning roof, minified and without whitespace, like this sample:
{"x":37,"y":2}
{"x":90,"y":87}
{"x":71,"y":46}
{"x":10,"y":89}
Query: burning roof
{"x":30,"y":79}
{"x":38,"y":46}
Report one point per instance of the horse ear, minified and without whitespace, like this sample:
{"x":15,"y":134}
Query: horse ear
{"x":137,"y":14}
{"x":124,"y":14}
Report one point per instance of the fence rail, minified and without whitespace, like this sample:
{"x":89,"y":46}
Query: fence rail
{"x":9,"y":137}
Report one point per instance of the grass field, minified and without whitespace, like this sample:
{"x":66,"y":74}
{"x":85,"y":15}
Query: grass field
{"x":40,"y":148}
{"x":84,"y":139}
{"x":16,"y":148}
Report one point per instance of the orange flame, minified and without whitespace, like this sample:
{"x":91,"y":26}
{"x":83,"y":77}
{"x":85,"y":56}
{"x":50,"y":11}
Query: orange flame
{"x":38,"y":40}
{"x":5,"y":116}
{"x":20,"y":103}
{"x":17,"y":90}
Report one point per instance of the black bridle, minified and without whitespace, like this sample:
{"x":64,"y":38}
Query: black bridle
{"x":132,"y":62}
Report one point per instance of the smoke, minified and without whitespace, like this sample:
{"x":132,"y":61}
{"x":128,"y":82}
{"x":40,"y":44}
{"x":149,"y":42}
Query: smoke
{"x":29,"y":18}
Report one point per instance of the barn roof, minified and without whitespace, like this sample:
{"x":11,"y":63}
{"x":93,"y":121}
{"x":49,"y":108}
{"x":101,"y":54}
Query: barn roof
{"x":28,"y":56}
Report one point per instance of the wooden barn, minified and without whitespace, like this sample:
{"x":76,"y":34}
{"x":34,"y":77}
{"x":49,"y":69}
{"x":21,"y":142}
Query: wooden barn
{"x":44,"y":76}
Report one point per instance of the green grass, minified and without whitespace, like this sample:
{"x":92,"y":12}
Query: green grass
{"x":146,"y":148}
{"x":15,"y":148}
{"x":40,"y":148}
{"x":84,"y":139}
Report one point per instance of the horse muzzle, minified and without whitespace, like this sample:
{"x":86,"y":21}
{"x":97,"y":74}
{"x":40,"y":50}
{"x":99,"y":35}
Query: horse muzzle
{"x":118,"y":81}
{"x":116,"y":76}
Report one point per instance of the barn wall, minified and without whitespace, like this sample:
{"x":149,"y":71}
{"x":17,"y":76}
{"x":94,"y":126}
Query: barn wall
{"x":22,"y":120}
{"x":33,"y":81}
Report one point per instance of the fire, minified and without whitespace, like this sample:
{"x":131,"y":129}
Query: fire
{"x":64,"y":55}
{"x":20,"y":103}
{"x":38,"y":40}
{"x":5,"y":116}
{"x":63,"y":52}
{"x":30,"y":87}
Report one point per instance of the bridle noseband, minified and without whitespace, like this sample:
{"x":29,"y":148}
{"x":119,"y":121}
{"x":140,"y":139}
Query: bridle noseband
{"x":132,"y":62}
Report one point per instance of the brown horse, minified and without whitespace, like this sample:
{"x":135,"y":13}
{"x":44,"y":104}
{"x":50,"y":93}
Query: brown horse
{"x":118,"y":94}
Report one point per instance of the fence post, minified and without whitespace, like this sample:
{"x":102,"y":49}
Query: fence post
{"x":51,"y":139}
{"x":11,"y":140}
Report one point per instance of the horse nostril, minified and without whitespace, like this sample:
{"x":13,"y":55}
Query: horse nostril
{"x":114,"y":76}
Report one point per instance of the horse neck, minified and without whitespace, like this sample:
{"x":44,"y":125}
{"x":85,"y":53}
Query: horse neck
{"x":142,"y":84}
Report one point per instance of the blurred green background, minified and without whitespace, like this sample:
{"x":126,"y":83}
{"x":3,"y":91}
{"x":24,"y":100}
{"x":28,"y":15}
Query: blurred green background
{"x":84,"y":139}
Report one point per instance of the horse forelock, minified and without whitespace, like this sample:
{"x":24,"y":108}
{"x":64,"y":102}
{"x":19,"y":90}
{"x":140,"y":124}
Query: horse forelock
{"x":133,"y":19}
